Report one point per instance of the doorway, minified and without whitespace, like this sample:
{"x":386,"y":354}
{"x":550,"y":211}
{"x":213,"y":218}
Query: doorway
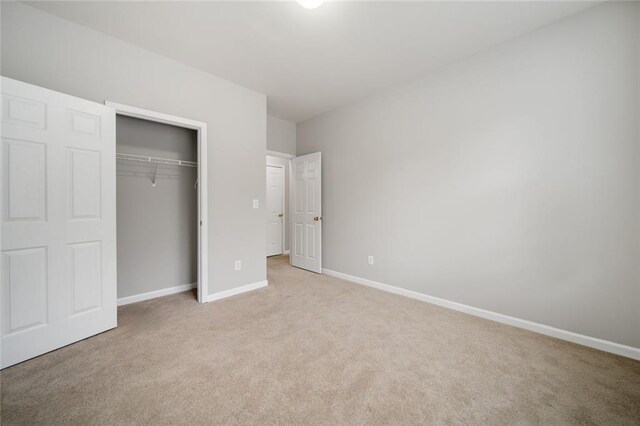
{"x":275,"y":210}
{"x":156,"y":208}
{"x":199,"y":185}
{"x":277,"y":203}
{"x":302,"y":212}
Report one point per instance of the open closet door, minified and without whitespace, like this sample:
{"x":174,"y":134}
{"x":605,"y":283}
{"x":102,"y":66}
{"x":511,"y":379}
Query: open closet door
{"x":58,"y":220}
{"x":306,"y":212}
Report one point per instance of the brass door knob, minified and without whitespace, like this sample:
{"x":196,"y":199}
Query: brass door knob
{"x":280,"y":215}
{"x":317,"y":218}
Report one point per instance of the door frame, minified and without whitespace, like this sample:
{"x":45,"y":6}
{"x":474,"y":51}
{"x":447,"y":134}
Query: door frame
{"x":285,"y":216}
{"x":201,"y":130}
{"x":287,"y":157}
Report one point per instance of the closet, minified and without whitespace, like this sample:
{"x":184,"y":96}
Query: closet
{"x":157,"y":208}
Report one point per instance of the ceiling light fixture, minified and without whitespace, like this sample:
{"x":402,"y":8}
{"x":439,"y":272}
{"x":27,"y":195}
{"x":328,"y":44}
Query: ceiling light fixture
{"x":310,"y":4}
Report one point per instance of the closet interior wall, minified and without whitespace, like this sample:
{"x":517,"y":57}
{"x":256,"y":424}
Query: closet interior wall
{"x":157,"y":225}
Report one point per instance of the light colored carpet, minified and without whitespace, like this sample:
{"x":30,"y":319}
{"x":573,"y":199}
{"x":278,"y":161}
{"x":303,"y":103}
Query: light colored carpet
{"x":317,"y":350}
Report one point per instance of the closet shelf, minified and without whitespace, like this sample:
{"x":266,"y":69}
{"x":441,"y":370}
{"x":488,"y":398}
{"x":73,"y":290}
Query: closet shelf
{"x":155,"y":160}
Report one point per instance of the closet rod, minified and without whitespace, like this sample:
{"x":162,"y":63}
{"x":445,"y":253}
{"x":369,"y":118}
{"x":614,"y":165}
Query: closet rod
{"x":156,"y":160}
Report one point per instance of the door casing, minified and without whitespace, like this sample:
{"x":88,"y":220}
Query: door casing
{"x":201,"y":129}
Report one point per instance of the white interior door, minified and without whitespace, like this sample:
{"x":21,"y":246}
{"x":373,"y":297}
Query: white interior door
{"x":275,"y":210}
{"x":306,"y":212}
{"x":58,"y":220}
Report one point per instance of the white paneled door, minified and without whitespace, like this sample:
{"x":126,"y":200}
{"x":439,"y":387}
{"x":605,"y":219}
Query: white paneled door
{"x":58,"y":220}
{"x":275,"y":209}
{"x":306,"y":212}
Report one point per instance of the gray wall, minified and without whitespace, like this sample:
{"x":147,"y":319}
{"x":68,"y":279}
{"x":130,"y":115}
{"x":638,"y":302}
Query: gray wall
{"x":41,"y":49}
{"x":157,"y":226}
{"x":281,"y":135}
{"x":507,"y":181}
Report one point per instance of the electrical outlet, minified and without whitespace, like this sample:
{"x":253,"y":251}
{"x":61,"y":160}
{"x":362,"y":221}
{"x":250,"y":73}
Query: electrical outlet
{"x":238,"y":265}
{"x":256,"y":204}
{"x":370,"y":260}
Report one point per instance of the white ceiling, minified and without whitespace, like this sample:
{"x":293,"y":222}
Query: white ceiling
{"x":311,"y":61}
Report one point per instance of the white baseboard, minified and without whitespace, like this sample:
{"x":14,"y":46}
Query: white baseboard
{"x":157,"y":293}
{"x":593,"y":342}
{"x":234,"y":291}
{"x":285,"y":252}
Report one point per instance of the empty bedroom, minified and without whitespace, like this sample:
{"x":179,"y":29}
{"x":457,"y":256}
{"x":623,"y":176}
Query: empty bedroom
{"x":320,"y":212}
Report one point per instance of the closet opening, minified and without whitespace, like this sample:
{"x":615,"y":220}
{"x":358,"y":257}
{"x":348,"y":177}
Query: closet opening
{"x":161,"y":205}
